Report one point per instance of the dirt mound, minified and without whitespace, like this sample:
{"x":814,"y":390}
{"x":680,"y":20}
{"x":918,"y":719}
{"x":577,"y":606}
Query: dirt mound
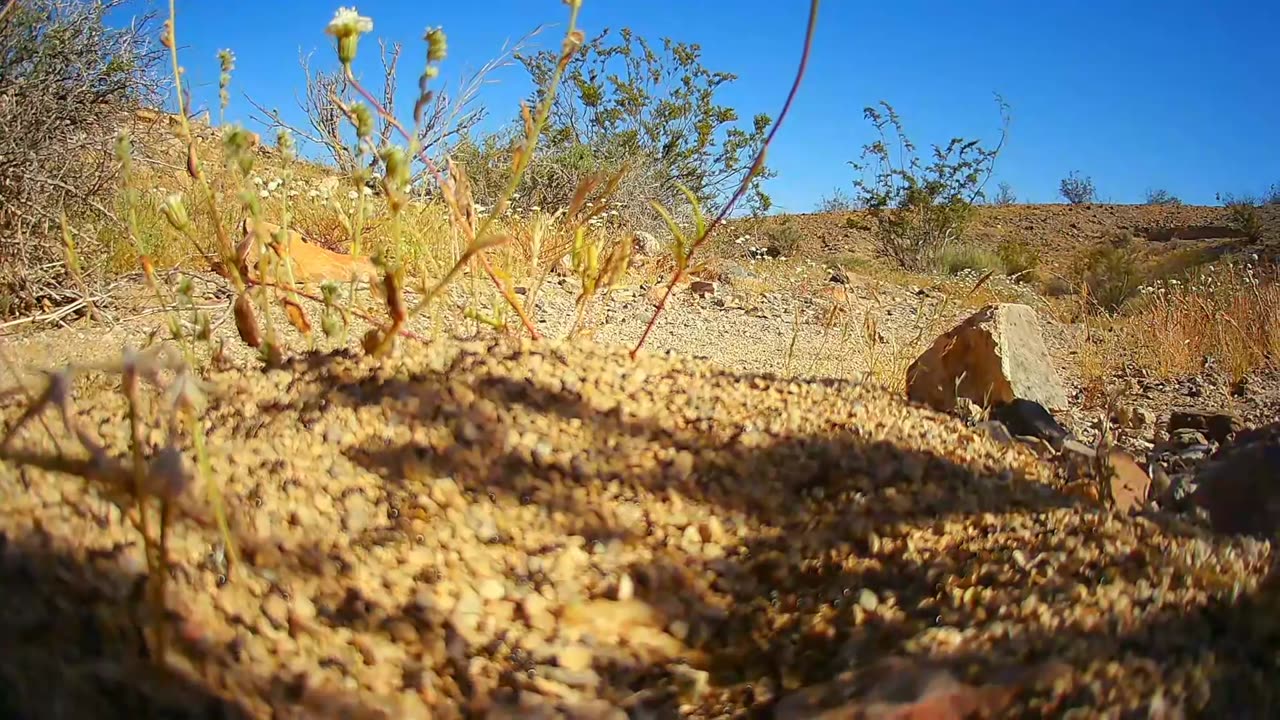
{"x":556,"y":531}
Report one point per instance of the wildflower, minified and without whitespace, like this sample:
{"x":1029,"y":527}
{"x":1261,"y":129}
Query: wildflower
{"x":274,"y":184}
{"x":257,"y":180}
{"x":227,"y":63}
{"x":264,"y":194}
{"x":175,"y":212}
{"x":347,"y":25}
{"x":284,"y":143}
{"x":236,"y":142}
{"x":437,"y":44}
{"x":352,"y":195}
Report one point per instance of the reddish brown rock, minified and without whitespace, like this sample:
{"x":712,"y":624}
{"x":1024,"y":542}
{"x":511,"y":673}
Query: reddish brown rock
{"x":310,"y":262}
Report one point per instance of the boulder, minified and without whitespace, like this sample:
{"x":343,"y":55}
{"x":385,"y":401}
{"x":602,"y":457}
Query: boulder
{"x":994,"y":357}
{"x":1216,"y":426}
{"x":310,"y":262}
{"x":1240,"y":487}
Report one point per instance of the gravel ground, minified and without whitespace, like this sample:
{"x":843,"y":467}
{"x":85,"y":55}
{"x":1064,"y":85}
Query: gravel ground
{"x":494,"y":529}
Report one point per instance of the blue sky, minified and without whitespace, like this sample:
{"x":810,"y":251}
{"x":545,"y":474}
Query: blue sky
{"x":1137,"y":94}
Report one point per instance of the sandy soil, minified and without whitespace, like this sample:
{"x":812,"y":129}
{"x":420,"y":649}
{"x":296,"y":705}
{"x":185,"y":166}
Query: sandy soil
{"x":485,"y":527}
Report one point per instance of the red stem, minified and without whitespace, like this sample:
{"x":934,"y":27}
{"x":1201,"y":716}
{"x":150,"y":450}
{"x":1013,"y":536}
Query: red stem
{"x":746,"y":183}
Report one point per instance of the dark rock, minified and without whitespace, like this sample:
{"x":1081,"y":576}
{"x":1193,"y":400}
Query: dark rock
{"x":1241,"y":489}
{"x":1186,"y":437}
{"x":1193,"y":454}
{"x":702,"y":288}
{"x":1218,"y":427}
{"x":1027,"y":417}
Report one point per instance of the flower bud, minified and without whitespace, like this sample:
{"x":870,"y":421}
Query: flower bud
{"x":437,"y":45}
{"x":362,"y":117}
{"x":175,"y":212}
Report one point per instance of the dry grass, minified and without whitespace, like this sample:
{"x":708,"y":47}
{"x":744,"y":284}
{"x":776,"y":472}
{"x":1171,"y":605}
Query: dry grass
{"x":1224,"y":317}
{"x":1228,"y":315}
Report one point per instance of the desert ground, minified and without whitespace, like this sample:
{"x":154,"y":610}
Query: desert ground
{"x":749,"y":519}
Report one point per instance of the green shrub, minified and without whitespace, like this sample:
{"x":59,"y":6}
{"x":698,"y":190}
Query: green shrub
{"x":655,"y":108}
{"x":784,"y":240}
{"x":1243,"y":212}
{"x":1111,"y":273}
{"x":1018,"y":259}
{"x":920,"y":207}
{"x":1078,"y":190}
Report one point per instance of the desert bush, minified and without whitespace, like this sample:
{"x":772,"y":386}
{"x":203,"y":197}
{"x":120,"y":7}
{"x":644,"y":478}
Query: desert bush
{"x":655,"y":110}
{"x":1243,"y":213}
{"x":67,"y":80}
{"x":1004,"y":195}
{"x":1018,"y":259}
{"x":442,"y":117}
{"x":1111,"y":273}
{"x":1161,"y":196}
{"x":963,"y":256}
{"x":838,"y":201}
{"x":1077,"y":190}
{"x":920,"y":209}
{"x":1272,"y":195}
{"x":784,"y":240}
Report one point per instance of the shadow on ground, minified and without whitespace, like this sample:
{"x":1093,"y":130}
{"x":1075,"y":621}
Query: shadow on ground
{"x":831,"y":548}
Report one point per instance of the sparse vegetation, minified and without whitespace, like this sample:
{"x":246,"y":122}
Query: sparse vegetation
{"x":784,"y":240}
{"x":1004,"y":195}
{"x":920,"y":209}
{"x":838,"y":201}
{"x":1227,"y":314}
{"x":1078,"y":190}
{"x":652,"y":110}
{"x":1161,"y":196}
{"x":438,"y":481}
{"x":1018,"y":259}
{"x":1110,"y":273}
{"x":957,"y":258}
{"x":1243,"y":211}
{"x":67,"y":79}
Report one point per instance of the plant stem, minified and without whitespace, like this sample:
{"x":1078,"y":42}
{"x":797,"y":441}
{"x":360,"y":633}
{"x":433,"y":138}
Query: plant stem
{"x":746,"y":181}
